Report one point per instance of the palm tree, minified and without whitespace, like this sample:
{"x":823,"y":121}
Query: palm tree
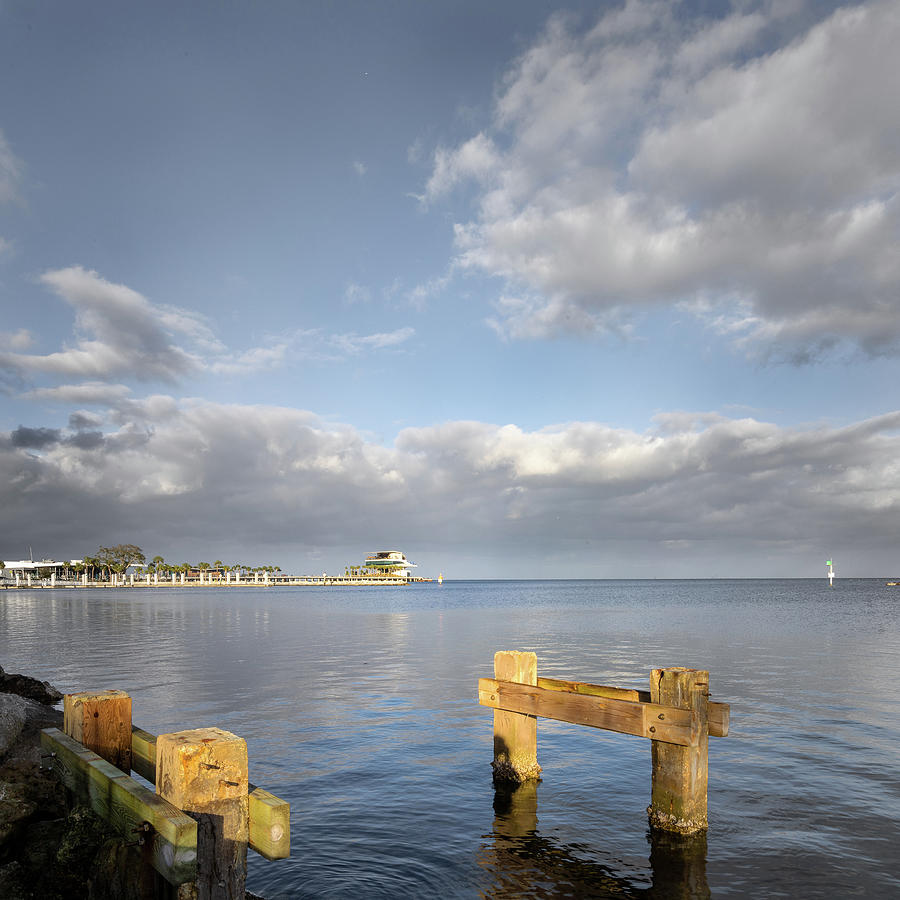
{"x":90,"y":564}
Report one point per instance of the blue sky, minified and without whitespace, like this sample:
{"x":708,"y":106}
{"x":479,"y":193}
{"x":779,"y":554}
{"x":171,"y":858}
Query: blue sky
{"x":601,"y":290}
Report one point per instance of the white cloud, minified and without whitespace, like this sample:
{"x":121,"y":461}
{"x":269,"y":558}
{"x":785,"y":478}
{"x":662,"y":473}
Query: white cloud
{"x":89,"y":393}
{"x":359,"y":168}
{"x":476,"y":158}
{"x":654,"y":160}
{"x":191,"y":474}
{"x":118,"y":333}
{"x":357,"y":343}
{"x":357,"y":293}
{"x":419,"y":295}
{"x":10,"y":172}
{"x":257,"y":359}
{"x":16,"y":340}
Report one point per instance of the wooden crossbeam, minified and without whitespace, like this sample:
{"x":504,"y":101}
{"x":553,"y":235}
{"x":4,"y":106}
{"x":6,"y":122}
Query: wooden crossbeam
{"x":171,"y":842}
{"x":650,"y":720}
{"x":719,"y":713}
{"x":270,"y":816}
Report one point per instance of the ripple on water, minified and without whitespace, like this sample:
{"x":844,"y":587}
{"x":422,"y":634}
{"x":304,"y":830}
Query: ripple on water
{"x":359,"y":708}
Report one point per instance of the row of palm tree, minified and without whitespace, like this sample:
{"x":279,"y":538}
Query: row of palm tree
{"x":109,"y":561}
{"x":116,"y":560}
{"x":218,"y":569}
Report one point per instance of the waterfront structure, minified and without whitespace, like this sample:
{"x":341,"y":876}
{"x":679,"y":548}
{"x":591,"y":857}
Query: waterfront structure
{"x":40,"y":570}
{"x":390,"y":562}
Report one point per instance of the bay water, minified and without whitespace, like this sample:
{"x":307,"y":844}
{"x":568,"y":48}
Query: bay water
{"x":359,"y":706}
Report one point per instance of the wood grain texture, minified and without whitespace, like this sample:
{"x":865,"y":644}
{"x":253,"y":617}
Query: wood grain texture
{"x":270,"y":816}
{"x":680,"y":774}
{"x":650,"y":720}
{"x":204,"y":772}
{"x":101,"y":721}
{"x":719,"y":713}
{"x":171,"y":842}
{"x":515,"y":732}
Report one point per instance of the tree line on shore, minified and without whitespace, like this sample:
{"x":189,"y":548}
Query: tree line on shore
{"x":109,"y":561}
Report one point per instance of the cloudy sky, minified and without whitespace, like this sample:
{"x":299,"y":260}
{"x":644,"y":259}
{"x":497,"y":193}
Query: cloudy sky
{"x":521,"y":288}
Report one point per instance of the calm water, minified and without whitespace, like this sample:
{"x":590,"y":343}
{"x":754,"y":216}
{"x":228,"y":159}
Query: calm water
{"x":358,"y":706}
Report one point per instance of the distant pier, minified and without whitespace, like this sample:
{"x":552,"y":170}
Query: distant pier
{"x":176,"y":579}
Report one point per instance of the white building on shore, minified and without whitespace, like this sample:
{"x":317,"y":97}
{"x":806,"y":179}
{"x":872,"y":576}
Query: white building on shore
{"x":36,"y":569}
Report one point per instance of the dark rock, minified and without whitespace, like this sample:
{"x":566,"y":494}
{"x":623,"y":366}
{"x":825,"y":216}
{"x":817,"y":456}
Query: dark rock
{"x":41,"y":691}
{"x":12,"y":720}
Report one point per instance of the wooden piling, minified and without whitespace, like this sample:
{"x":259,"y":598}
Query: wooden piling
{"x":101,"y":721}
{"x":515,"y":734}
{"x":204,"y":773}
{"x":680,"y":774}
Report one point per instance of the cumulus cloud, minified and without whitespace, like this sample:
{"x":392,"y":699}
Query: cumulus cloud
{"x":186,"y":477}
{"x":118,"y":333}
{"x":732,"y":164}
{"x":82,"y":420}
{"x":476,"y":158}
{"x":34,"y":438}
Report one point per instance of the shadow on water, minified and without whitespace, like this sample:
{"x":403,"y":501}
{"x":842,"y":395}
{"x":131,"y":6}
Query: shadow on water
{"x":522,"y":863}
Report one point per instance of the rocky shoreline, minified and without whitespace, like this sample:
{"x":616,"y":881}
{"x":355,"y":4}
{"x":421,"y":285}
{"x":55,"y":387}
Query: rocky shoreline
{"x":49,"y":851}
{"x":46,"y":850}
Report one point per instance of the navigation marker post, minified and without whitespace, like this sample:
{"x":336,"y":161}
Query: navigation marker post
{"x":830,"y":572}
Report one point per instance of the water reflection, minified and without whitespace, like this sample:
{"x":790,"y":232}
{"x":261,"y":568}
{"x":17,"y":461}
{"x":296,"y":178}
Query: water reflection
{"x":522,"y":862}
{"x":358,"y":707}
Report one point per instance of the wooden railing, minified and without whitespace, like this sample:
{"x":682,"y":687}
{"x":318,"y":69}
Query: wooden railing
{"x":200,"y":776}
{"x":675,"y":714}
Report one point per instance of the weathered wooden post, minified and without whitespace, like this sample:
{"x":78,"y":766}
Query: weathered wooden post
{"x":680,"y":774}
{"x":101,"y":721}
{"x":204,"y":773}
{"x":515,"y":734}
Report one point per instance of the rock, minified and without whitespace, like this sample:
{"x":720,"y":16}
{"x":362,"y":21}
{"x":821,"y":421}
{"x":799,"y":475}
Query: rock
{"x":12,"y":720}
{"x":15,"y":810}
{"x":41,"y":691}
{"x":14,"y":882}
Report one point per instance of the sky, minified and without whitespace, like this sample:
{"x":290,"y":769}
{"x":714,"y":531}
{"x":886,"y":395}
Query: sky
{"x":523,"y":289}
